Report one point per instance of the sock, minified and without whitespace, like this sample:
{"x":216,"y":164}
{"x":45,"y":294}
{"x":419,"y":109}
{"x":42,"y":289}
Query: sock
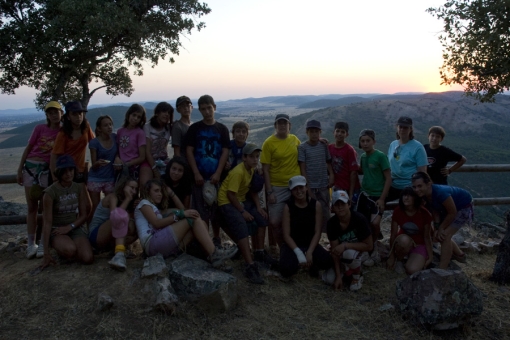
{"x":31,"y":239}
{"x":120,"y":248}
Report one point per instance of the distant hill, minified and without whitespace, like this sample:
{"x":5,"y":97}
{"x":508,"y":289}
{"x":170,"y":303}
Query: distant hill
{"x":322,"y":103}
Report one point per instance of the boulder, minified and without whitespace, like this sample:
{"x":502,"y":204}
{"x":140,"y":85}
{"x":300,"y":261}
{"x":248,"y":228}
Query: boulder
{"x":442,"y":299}
{"x":165,"y":296}
{"x":155,"y":266}
{"x":196,"y":280}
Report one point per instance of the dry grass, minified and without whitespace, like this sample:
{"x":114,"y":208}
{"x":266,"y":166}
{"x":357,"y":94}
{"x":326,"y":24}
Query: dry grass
{"x":61,"y":303}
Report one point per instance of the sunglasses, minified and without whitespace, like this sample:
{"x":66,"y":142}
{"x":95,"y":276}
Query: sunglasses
{"x":396,"y":153}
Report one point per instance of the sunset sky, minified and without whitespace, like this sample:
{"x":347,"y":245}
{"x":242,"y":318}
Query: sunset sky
{"x":292,"y":47}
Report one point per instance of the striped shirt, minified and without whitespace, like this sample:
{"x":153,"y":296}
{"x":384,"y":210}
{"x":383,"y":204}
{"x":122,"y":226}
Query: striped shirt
{"x":315,"y":158}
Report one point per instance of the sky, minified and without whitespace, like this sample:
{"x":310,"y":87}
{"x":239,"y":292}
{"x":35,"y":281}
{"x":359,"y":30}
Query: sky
{"x":258,"y":48}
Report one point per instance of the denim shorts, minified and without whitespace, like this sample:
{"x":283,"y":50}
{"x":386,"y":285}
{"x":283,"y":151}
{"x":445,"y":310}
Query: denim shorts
{"x":464,"y":216}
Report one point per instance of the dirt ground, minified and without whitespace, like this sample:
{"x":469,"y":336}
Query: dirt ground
{"x":61,"y":303}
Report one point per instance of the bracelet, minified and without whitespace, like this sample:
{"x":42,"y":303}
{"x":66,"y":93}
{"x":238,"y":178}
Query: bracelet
{"x":176,"y":219}
{"x":179,"y":214}
{"x":172,"y":195}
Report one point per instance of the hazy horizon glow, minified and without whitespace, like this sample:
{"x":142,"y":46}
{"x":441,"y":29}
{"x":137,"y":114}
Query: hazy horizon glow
{"x":271,"y":48}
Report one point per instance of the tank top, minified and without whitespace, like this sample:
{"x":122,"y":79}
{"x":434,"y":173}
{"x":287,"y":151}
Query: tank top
{"x":302,"y":222}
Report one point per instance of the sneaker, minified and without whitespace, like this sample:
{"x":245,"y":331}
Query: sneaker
{"x":220,"y":255}
{"x":399,"y":267}
{"x":118,"y":262}
{"x":252,"y":274}
{"x":357,"y":281}
{"x":217,"y":242}
{"x":40,"y":251}
{"x":31,"y":251}
{"x":265,"y":257}
{"x":369,"y":262}
{"x":375,"y":256}
{"x":459,"y":258}
{"x":328,"y":276}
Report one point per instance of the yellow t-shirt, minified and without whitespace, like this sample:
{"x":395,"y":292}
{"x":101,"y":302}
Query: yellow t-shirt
{"x":238,"y":181}
{"x":282,"y":155}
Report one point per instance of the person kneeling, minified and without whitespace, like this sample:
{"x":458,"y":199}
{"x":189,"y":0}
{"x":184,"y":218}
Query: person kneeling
{"x":302,"y":226}
{"x":239,"y":213}
{"x":350,"y":236}
{"x":62,"y":229}
{"x":168,"y":235}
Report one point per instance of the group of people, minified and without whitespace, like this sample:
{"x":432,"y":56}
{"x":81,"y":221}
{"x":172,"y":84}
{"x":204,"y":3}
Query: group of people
{"x":310,"y":188}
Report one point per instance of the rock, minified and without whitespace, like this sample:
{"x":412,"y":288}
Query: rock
{"x":489,"y":247}
{"x":475,"y":248}
{"x":196,"y":280}
{"x":386,"y":307}
{"x":165,"y":298}
{"x":154,"y":266}
{"x":458,"y":238}
{"x":3,"y":247}
{"x":104,"y":302}
{"x":442,"y":299}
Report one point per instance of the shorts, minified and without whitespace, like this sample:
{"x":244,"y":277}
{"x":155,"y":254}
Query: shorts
{"x":238,"y":227}
{"x":73,"y":234}
{"x":106,"y":187}
{"x":324,"y":198}
{"x":206,"y":212}
{"x":464,"y":216}
{"x":275,"y":210}
{"x":421,"y":250}
{"x":41,"y":176}
{"x":367,"y":207}
{"x":163,"y":242}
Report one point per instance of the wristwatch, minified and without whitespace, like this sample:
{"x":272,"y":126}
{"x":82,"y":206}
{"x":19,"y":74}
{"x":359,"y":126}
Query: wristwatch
{"x":72,"y":226}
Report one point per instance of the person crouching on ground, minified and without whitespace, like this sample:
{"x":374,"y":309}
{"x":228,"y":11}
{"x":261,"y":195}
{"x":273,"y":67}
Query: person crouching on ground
{"x":62,"y":229}
{"x":410,"y":233}
{"x":350,"y":236}
{"x":302,"y":226}
{"x":238,"y":212}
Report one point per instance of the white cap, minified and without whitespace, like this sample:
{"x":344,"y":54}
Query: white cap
{"x":340,"y":195}
{"x":295,"y":181}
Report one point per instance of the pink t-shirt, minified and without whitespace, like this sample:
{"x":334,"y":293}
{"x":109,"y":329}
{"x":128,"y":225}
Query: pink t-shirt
{"x":343,"y":161}
{"x":42,"y":141}
{"x":129,"y":142}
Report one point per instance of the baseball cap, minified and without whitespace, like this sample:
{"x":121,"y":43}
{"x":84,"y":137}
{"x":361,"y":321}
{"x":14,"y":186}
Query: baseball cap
{"x":181,"y":100}
{"x":312,"y":123}
{"x":339,"y":195}
{"x":74,"y":106}
{"x":296,"y":181}
{"x":405,"y":121}
{"x":282,"y":116}
{"x":65,"y":161}
{"x":250,"y":148}
{"x":366,"y":132}
{"x":53,"y":105}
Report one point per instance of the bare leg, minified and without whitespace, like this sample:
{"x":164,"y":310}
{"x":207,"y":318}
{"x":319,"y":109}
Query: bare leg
{"x":447,"y":247}
{"x":244,"y":246}
{"x":200,"y":231}
{"x":415,"y":263}
{"x":64,"y":246}
{"x":32,"y":206}
{"x":84,"y":252}
{"x":403,"y":245}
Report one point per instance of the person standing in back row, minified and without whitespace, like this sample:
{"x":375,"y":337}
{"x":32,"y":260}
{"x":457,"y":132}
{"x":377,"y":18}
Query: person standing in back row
{"x":438,"y":157}
{"x":406,"y":156}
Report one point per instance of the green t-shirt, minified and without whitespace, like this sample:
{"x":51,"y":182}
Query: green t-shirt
{"x":373,"y":166}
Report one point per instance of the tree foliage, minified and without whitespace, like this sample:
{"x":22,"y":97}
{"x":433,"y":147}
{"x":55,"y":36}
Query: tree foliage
{"x":61,"y":47}
{"x":476,"y":44}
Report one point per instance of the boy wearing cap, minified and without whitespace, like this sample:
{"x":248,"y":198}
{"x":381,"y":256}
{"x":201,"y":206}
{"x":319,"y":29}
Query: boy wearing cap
{"x":184,"y":106}
{"x":350,"y":236}
{"x":207,"y":144}
{"x":239,"y":212}
{"x":315,"y":164}
{"x":439,"y":155}
{"x":344,"y":161}
{"x":279,"y":160}
{"x":375,"y":168}
{"x":33,"y":170}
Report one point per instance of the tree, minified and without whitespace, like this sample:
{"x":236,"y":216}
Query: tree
{"x":60,"y":47}
{"x":476,"y":44}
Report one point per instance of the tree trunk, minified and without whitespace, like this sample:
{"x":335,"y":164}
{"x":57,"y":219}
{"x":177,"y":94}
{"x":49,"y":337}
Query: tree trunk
{"x":501,"y":273}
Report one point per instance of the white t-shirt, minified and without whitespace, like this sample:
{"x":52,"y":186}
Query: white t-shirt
{"x":143,"y":227}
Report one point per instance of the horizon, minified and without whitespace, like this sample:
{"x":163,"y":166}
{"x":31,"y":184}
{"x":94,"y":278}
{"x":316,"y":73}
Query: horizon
{"x":266,"y":48}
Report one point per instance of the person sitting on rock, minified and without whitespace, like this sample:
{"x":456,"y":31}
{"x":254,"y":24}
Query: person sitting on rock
{"x":111,"y":226}
{"x":350,"y":236}
{"x":166,"y":233}
{"x":452,"y":209}
{"x":302,"y":227}
{"x":410,"y":234}
{"x":62,"y":228}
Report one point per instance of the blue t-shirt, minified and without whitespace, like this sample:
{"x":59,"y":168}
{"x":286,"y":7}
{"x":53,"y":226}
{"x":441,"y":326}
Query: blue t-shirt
{"x":104,"y":173}
{"x":404,"y":161}
{"x":440,"y":193}
{"x":208,"y":142}
{"x":235,"y":156}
